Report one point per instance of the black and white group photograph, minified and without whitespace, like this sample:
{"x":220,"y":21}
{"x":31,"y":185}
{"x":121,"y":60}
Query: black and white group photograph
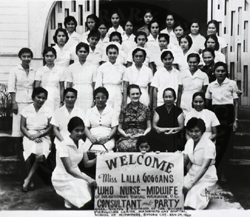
{"x":124,"y":108}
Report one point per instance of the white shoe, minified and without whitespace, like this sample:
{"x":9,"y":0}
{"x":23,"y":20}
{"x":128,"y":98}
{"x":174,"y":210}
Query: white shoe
{"x":67,"y":204}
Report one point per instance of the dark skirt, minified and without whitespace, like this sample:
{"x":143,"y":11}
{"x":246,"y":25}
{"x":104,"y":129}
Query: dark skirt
{"x":224,"y":144}
{"x":161,"y":142}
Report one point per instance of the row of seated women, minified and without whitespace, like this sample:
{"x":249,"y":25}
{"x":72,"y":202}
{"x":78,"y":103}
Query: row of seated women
{"x":101,"y":125}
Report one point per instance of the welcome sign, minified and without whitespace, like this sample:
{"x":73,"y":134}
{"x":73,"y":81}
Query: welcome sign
{"x":139,"y":182}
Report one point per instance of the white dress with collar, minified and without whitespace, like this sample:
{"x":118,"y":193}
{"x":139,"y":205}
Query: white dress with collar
{"x":205,"y":149}
{"x":100,"y":125}
{"x":76,"y":191}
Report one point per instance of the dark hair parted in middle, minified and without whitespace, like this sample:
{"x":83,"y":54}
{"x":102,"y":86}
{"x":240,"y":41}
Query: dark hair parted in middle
{"x":49,"y":49}
{"x":201,"y":94}
{"x":189,"y":39}
{"x":84,"y":45}
{"x":216,"y":24}
{"x":60,"y":30}
{"x":94,"y":18}
{"x":75,"y":122}
{"x":137,"y":50}
{"x":150,"y":24}
{"x":69,"y":89}
{"x":170,"y":89}
{"x":176,"y":24}
{"x":139,"y":33}
{"x":214,"y":37}
{"x":101,"y":90}
{"x":68,"y":19}
{"x":37,"y":91}
{"x":118,"y":34}
{"x":196,"y":122}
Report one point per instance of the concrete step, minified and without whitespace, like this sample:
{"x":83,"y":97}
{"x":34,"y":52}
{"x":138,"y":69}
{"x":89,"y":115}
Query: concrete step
{"x":242,"y":139}
{"x":244,"y":112}
{"x":238,"y":171}
{"x":243,"y":162}
{"x":243,"y":125}
{"x":10,"y":165}
{"x":241,"y":152}
{"x":9,"y":146}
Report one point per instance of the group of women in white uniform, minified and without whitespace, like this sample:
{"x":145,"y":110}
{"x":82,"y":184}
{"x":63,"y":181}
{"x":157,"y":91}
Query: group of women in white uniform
{"x":109,"y":61}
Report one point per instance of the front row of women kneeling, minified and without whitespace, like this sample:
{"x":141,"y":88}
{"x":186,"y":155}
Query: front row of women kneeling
{"x":100,"y":128}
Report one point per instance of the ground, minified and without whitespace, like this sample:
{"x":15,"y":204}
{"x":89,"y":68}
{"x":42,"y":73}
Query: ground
{"x":234,"y":196}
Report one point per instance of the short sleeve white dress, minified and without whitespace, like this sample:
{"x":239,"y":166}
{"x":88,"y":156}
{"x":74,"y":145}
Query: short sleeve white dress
{"x":36,"y":122}
{"x":50,"y":80}
{"x":76,"y":191}
{"x":205,"y":149}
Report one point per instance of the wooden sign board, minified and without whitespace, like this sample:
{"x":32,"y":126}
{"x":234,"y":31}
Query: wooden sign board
{"x":137,"y":182}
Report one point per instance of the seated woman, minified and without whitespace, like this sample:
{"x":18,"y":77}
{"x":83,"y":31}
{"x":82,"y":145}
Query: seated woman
{"x":134,"y":121}
{"x":200,"y":152}
{"x":62,"y":115}
{"x":101,"y":122}
{"x":199,"y":111}
{"x":35,"y":125}
{"x":67,"y":179}
{"x":168,"y":121}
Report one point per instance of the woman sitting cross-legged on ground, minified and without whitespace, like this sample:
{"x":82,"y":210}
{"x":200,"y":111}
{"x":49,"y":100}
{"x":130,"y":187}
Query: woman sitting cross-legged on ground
{"x":69,"y":182}
{"x":200,"y":152}
{"x":35,"y":125}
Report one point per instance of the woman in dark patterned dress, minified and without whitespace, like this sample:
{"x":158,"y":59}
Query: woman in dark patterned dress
{"x":168,"y":121}
{"x":134,"y":121}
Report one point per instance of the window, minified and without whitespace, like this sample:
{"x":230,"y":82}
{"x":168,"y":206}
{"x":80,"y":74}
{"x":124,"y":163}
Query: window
{"x":59,"y":7}
{"x":80,"y":15}
{"x":73,"y":6}
{"x":87,"y":8}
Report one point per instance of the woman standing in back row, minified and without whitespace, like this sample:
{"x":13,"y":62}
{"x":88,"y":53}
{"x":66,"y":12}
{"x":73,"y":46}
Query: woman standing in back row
{"x":52,"y":79}
{"x":20,"y":87}
{"x":222,"y":93}
{"x":191,"y":81}
{"x":81,"y":76}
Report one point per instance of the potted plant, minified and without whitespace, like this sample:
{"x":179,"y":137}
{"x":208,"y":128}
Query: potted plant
{"x":5,"y":109}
